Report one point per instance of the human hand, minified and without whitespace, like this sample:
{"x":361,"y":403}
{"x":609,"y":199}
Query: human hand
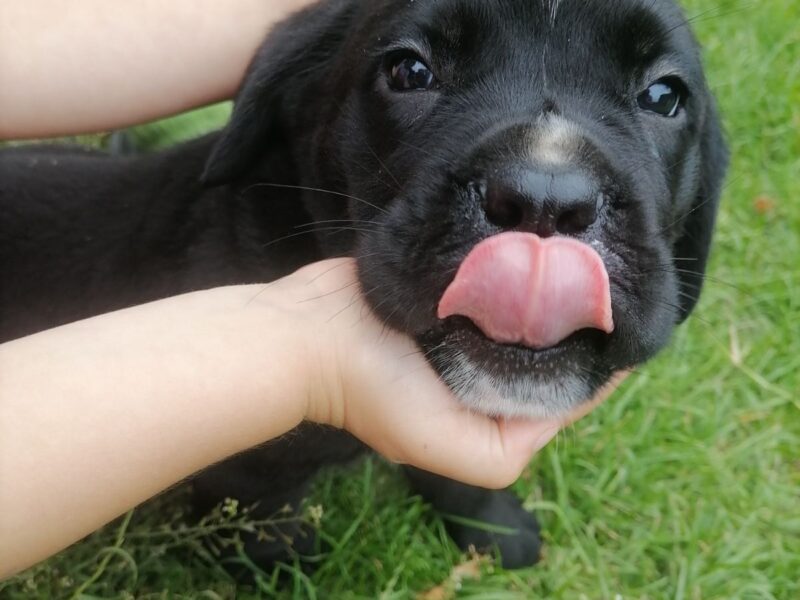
{"x":375,"y":384}
{"x":204,"y":376}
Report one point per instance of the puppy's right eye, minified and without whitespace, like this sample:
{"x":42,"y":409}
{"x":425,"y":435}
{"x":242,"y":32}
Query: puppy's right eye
{"x":665,"y":97}
{"x":407,"y":72}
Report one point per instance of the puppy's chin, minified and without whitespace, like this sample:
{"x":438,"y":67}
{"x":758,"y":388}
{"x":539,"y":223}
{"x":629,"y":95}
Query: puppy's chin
{"x":516,"y":382}
{"x":523,"y":396}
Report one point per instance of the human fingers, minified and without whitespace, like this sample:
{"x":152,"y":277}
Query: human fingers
{"x":388,"y":396}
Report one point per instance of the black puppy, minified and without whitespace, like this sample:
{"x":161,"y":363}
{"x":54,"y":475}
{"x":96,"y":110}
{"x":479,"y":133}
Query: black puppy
{"x":431,"y":126}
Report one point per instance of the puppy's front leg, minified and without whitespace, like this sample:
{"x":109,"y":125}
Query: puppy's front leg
{"x":509,"y":528}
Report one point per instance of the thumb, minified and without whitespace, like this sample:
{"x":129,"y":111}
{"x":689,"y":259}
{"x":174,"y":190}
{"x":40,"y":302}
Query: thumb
{"x":478,"y":450}
{"x":448,"y":439}
{"x":417,"y":420}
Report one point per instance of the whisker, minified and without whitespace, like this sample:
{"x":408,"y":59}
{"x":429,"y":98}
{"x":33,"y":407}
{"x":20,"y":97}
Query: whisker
{"x":283,"y":186}
{"x":329,"y":230}
{"x":354,"y":300}
{"x":333,"y":221}
{"x":449,"y":163}
{"x":707,"y":277}
{"x":370,"y":171}
{"x":375,"y":176}
{"x":262,"y":291}
{"x":383,"y":165}
{"x":700,"y":206}
{"x":327,"y":271}
{"x":706,"y":16}
{"x":388,"y":319}
{"x":328,"y":294}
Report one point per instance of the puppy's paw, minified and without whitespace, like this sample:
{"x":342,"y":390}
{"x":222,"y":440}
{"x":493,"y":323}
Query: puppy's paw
{"x":265,"y":549}
{"x":500,"y":525}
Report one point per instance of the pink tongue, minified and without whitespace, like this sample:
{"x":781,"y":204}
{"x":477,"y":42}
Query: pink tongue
{"x":521,"y":289}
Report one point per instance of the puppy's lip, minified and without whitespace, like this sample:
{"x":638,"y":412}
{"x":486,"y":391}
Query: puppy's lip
{"x":462,"y":326}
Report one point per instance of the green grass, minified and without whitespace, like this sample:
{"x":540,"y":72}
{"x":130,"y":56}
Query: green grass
{"x":685,"y":486}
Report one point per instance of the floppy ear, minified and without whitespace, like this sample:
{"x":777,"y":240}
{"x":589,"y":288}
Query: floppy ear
{"x":698,"y":230}
{"x":292,"y":60}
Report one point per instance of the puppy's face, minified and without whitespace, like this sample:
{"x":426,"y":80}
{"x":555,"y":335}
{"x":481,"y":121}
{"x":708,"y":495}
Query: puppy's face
{"x":450,"y":122}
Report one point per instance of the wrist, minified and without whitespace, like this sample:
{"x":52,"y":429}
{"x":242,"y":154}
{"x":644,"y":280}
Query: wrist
{"x":268,"y":339}
{"x":282,"y":343}
{"x":320,"y":309}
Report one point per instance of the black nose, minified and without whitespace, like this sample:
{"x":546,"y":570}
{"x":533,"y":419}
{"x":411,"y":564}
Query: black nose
{"x":542,"y":202}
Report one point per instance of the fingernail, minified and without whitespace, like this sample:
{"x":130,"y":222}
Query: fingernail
{"x":531,"y":436}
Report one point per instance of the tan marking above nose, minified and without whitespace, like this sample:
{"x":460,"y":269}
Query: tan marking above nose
{"x":554,"y":141}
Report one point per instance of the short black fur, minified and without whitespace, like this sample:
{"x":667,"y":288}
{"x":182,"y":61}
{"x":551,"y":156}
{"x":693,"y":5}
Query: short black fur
{"x":544,"y":85}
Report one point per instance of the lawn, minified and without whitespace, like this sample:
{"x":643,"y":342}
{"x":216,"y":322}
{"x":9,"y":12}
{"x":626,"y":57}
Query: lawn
{"x":686,"y":485}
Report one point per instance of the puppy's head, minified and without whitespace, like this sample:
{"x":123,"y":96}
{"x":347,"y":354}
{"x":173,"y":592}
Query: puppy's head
{"x":475,"y":136}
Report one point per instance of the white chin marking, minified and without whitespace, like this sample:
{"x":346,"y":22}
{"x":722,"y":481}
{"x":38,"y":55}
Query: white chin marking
{"x":524,"y":397}
{"x":554,"y":141}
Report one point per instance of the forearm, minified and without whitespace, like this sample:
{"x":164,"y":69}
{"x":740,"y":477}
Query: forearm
{"x":90,"y":65}
{"x":74,"y":456}
{"x":97,"y":416}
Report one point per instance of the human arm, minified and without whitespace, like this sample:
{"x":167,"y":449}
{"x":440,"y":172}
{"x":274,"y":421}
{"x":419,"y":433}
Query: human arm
{"x":91,"y":65}
{"x":98,"y":416}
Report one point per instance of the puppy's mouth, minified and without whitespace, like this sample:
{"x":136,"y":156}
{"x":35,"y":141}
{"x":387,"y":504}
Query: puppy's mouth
{"x":521,"y":325}
{"x":521,"y":289}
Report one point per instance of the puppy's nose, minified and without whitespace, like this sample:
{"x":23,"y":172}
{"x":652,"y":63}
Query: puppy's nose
{"x":542,"y":202}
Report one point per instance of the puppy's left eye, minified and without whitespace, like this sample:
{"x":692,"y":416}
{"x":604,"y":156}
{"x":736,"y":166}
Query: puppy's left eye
{"x":665,"y":97}
{"x":407,"y":72}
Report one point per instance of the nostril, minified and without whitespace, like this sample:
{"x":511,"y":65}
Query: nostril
{"x":507,"y":215}
{"x":578,"y":216}
{"x":504,"y":207}
{"x":572,"y":222}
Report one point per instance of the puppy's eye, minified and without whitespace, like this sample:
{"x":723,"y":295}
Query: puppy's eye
{"x":407,"y":73}
{"x":665,"y":97}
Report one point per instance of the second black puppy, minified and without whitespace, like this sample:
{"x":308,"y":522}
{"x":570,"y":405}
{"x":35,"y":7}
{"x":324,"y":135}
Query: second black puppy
{"x":478,"y":157}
